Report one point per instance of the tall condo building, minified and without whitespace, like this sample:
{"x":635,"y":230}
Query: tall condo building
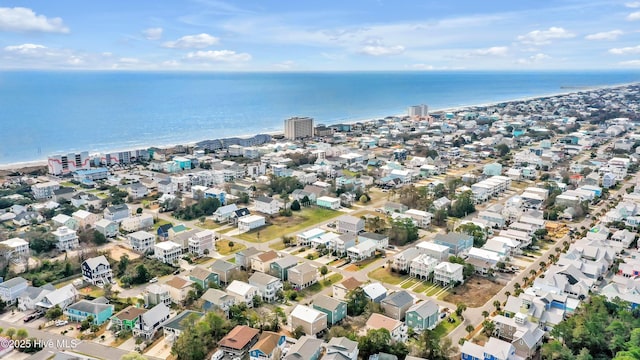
{"x":65,"y":164}
{"x":298,"y":128}
{"x":418,"y":111}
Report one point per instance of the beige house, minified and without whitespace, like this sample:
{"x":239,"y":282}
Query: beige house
{"x":262,"y":262}
{"x":179,"y":288}
{"x":341,"y":289}
{"x":85,"y":219}
{"x":302,"y":276}
{"x":312,"y":321}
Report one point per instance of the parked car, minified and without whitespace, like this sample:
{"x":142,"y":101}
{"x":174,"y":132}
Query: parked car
{"x":61,"y":322}
{"x":153,"y":280}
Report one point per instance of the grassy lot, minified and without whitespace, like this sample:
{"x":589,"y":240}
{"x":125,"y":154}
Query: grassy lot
{"x":67,"y":184}
{"x":92,"y":291}
{"x":409,"y":284}
{"x":209,"y":224}
{"x":434,"y":291}
{"x":201,"y":260}
{"x":445,"y":327}
{"x":159,"y":223}
{"x":386,"y":276}
{"x":422,"y":287}
{"x":232,"y":260}
{"x":285,"y":225}
{"x":317,"y":287}
{"x":223,"y":247}
{"x":278,"y":246}
{"x":363,"y":264}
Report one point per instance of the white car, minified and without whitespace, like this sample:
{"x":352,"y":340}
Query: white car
{"x":153,"y":280}
{"x":61,"y":322}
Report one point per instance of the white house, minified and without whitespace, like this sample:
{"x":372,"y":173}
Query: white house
{"x":422,"y":266}
{"x":446,"y":273}
{"x":250,"y":222}
{"x":16,"y":248}
{"x":202,"y":242}
{"x":66,"y":239}
{"x":422,"y":219}
{"x":267,"y":205}
{"x":362,"y":251}
{"x":242,"y":291}
{"x":136,"y":223}
{"x":168,"y":252}
{"x":141,"y":241}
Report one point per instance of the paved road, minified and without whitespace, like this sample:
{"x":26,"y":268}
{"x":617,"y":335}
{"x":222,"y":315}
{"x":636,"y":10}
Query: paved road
{"x":56,"y":342}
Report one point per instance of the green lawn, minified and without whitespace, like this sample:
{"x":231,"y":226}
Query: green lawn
{"x":409,"y":284}
{"x":222,"y":246}
{"x":67,"y":184}
{"x":278,"y":246}
{"x":209,"y":224}
{"x":364,"y":263}
{"x":386,"y":276}
{"x":422,"y":287}
{"x":434,"y":291}
{"x":285,"y":225}
{"x":317,"y":287}
{"x":445,"y":327}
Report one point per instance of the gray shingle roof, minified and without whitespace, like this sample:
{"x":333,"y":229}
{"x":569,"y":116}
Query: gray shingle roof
{"x":398,"y":298}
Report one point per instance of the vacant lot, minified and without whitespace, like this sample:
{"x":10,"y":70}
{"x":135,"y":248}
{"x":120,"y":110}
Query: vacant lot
{"x":283,"y":225}
{"x":386,"y":276}
{"x":117,"y":252}
{"x":475,"y":292}
{"x":223,"y":247}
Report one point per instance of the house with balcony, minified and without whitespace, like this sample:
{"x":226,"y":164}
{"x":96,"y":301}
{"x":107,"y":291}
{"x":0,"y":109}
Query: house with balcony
{"x":268,"y":205}
{"x":61,"y":297}
{"x":83,"y":309}
{"x":524,"y":335}
{"x":457,"y":243}
{"x":202,"y":243}
{"x":305,"y":238}
{"x":174,"y":327}
{"x":126,"y":319}
{"x":214,"y":299}
{"x":423,"y":315}
{"x":167,"y":252}
{"x":85,"y":218}
{"x":65,"y":220}
{"x":107,"y":228}
{"x":402,"y":261}
{"x":422,"y":266}
{"x":493,"y":349}
{"x":381,"y":240}
{"x":422,"y":219}
{"x":141,"y":241}
{"x":150,"y":322}
{"x":362,"y":251}
{"x":341,"y":348}
{"x":302,"y":276}
{"x":243,"y":257}
{"x":396,"y":328}
{"x":223,"y":269}
{"x":155,"y":294}
{"x":137,"y":222}
{"x":262,"y":261}
{"x":15,"y":249}
{"x":269,"y":346}
{"x":97,"y":271}
{"x":267,"y":285}
{"x":242,"y":291}
{"x":66,"y":239}
{"x":203,"y":277}
{"x":11,"y":289}
{"x":238,"y":341}
{"x":335,"y":309}
{"x":179,"y":288}
{"x":448,"y":274}
{"x":436,"y":251}
{"x":341,"y":243}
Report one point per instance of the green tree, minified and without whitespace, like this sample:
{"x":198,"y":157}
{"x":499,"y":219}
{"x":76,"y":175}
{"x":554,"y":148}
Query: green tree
{"x":478,"y":233}
{"x":10,"y":333}
{"x":22,"y":334}
{"x":460,"y":308}
{"x":99,"y":238}
{"x":295,"y":205}
{"x":324,"y":271}
{"x":122,"y":264}
{"x":53,"y":313}
{"x":298,"y":332}
{"x":403,"y":231}
{"x":356,"y":302}
{"x":142,"y":275}
{"x":373,"y":342}
{"x":502,"y":149}
{"x":463,"y":205}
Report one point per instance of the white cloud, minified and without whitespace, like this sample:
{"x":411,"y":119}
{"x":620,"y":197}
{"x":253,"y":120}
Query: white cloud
{"x":542,"y":37}
{"x":634,"y":16}
{"x":625,"y":50}
{"x":218,"y":56}
{"x":381,"y":50}
{"x":534,"y":58}
{"x":492,"y":51}
{"x":605,"y":35}
{"x":630,"y":63}
{"x":199,"y":41}
{"x":153,"y":33}
{"x":25,"y":49}
{"x":285,"y":65}
{"x":24,"y":19}
{"x":634,"y":4}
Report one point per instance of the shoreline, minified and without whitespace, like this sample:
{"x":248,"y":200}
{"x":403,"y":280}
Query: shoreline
{"x":16,"y":166}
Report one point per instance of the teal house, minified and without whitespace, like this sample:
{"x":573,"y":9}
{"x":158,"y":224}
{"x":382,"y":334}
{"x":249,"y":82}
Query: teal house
{"x":203,"y":277}
{"x":335,"y":309}
{"x":81,"y":310}
{"x":279,"y":267}
{"x":423,"y":315}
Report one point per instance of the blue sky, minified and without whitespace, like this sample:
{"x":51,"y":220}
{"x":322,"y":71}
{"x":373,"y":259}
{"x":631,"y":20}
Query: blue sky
{"x":254,"y":35}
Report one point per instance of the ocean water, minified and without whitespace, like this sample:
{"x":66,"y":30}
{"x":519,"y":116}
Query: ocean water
{"x":43,"y":113}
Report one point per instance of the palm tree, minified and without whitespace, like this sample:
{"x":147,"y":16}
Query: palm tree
{"x":516,"y":285}
{"x":469,"y":328}
{"x":497,"y":304}
{"x":525,"y":279}
{"x":485,"y":314}
{"x":533,"y":272}
{"x":507,"y":293}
